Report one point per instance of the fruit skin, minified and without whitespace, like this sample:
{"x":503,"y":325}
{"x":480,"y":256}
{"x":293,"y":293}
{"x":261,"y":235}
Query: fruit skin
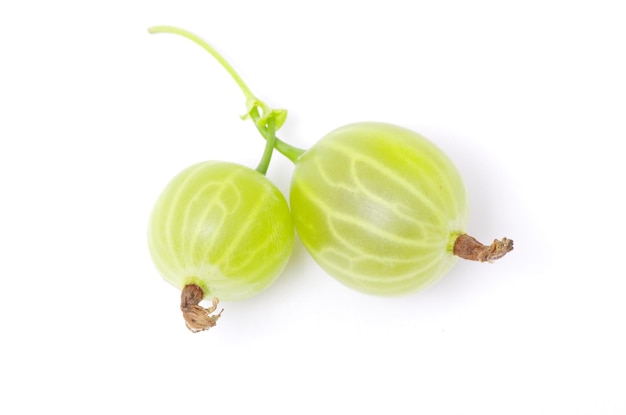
{"x":221,"y":226}
{"x":378,"y":207}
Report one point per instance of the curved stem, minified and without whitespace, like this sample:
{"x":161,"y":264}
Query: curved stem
{"x":291,"y":152}
{"x":231,"y":71}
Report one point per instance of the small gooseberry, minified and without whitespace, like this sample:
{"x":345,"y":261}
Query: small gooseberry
{"x":221,"y":229}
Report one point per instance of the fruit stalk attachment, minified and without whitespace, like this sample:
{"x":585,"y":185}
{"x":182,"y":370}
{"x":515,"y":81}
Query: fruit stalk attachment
{"x":467,"y":247}
{"x":197,"y":318}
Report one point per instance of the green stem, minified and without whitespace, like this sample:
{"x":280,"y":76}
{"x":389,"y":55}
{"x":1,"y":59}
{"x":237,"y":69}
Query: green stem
{"x":231,"y":71}
{"x":287,"y":150}
{"x":270,"y":141}
{"x":261,"y":121}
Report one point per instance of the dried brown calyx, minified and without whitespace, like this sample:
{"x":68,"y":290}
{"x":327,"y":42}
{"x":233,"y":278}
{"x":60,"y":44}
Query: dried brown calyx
{"x":467,"y":247}
{"x":197,"y":318}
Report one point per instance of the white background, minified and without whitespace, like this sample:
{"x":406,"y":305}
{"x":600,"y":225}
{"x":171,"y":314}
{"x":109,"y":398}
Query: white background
{"x":96,"y":115}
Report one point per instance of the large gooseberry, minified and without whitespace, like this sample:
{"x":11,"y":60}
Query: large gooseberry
{"x":380,"y":208}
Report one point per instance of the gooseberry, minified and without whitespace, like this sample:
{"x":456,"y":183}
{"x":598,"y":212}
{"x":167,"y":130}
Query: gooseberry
{"x":222,"y":230}
{"x":382,"y":209}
